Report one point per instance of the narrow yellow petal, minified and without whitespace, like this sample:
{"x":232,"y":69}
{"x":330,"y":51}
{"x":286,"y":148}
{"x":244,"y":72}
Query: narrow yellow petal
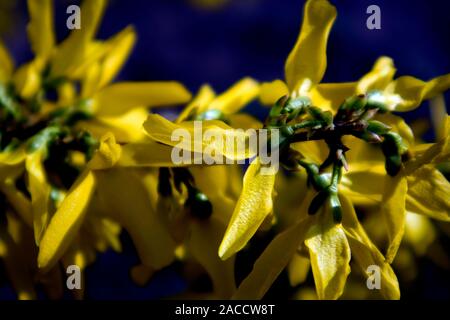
{"x":272,"y":91}
{"x":199,"y":104}
{"x":223,"y":140}
{"x":121,"y":45}
{"x":413,"y":91}
{"x":366,"y":253}
{"x":40,"y":192}
{"x":146,"y":154}
{"x":272,"y":262}
{"x":66,"y":222}
{"x":121,"y":97}
{"x":244,"y":121}
{"x":329,"y":96}
{"x":298,"y":270}
{"x":203,"y":241}
{"x":237,"y":97}
{"x":75,"y":49}
{"x":307,"y":61}
{"x":378,"y":78}
{"x":428,"y":193}
{"x":27,"y":79}
{"x":40,"y":27}
{"x":253,"y":206}
{"x":107,"y":154}
{"x":393,"y":209}
{"x":126,"y":127}
{"x":330,"y":256}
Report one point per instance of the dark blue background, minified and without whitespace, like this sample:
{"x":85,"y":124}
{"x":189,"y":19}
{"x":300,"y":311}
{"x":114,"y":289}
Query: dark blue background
{"x":177,"y":41}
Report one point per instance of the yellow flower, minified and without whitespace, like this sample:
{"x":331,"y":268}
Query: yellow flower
{"x":49,"y":143}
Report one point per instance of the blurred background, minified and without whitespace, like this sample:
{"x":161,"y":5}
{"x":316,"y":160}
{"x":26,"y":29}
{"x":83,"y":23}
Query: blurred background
{"x":221,"y":41}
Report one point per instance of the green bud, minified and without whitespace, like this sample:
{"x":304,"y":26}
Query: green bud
{"x":336,"y":208}
{"x":369,"y":136}
{"x":199,"y":205}
{"x":378,"y":127}
{"x":393,"y":144}
{"x":275,"y":111}
{"x":318,"y":181}
{"x":354,"y":103}
{"x":393,"y":164}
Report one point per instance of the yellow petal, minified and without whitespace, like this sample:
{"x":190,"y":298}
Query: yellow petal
{"x":413,"y":91}
{"x":189,"y":136}
{"x":398,"y":125}
{"x":363,"y":183}
{"x":244,"y":121}
{"x":146,"y":154}
{"x":329,"y":96}
{"x":76,"y":48}
{"x":272,"y":91}
{"x":121,"y":97}
{"x":27,"y":79}
{"x":6,"y":64}
{"x":330,"y":256}
{"x":66,"y":222}
{"x":366,"y":253}
{"x":272,"y":262}
{"x":307,"y":61}
{"x":315,"y":151}
{"x":40,"y":192}
{"x":135,"y":211}
{"x":220,"y":190}
{"x":121,"y":45}
{"x":126,"y":127}
{"x":91,"y":80}
{"x":253,"y":206}
{"x":199,"y":104}
{"x":298,"y":269}
{"x":394,"y":212}
{"x":237,"y":97}
{"x":419,"y":233}
{"x":40,"y":27}
{"x":428,"y":193}
{"x":434,"y":153}
{"x":11,"y":163}
{"x":202,"y":242}
{"x":107,"y":154}
{"x":378,"y":78}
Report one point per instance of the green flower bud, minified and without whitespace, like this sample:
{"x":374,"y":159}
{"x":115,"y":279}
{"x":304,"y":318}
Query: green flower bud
{"x":393,"y":164}
{"x":199,"y":205}
{"x":336,"y":208}
{"x":354,"y":103}
{"x":378,"y":127}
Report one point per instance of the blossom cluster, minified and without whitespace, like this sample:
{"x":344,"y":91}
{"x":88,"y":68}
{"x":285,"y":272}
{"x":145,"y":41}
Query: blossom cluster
{"x":83,"y":158}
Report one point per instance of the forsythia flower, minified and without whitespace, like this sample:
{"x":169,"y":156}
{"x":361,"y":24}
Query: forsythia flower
{"x":331,"y":232}
{"x":48,"y":144}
